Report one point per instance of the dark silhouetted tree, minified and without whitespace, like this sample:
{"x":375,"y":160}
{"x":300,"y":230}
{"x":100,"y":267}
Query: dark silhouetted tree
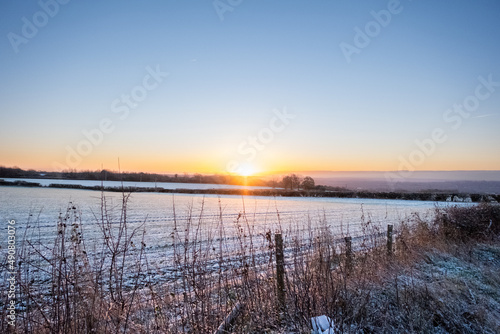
{"x":308,"y":183}
{"x":291,"y":182}
{"x":287,"y":182}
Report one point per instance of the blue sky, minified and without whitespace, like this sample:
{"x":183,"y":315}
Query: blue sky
{"x":226,"y":79}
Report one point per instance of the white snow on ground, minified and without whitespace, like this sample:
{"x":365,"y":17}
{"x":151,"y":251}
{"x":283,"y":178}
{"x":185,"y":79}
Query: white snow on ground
{"x":297,"y":217}
{"x":322,"y":325}
{"x":118,"y":184}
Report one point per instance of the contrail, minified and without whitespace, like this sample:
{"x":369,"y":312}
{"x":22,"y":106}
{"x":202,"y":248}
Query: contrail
{"x":485,"y":115}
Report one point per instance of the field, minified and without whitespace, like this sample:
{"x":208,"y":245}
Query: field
{"x":441,"y":275}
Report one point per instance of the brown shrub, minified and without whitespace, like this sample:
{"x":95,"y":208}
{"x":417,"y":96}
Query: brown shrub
{"x":465,"y":224}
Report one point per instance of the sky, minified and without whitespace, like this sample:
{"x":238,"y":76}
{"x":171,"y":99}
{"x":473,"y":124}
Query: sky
{"x":239,"y":86}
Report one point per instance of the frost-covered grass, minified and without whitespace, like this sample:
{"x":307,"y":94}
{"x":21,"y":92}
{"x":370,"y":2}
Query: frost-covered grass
{"x":435,"y":282}
{"x":441,"y":277}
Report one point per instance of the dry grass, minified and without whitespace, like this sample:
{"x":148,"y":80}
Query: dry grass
{"x":435,"y":282}
{"x":443,"y":277}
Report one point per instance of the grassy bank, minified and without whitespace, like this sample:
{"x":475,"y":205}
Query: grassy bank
{"x":443,"y":276}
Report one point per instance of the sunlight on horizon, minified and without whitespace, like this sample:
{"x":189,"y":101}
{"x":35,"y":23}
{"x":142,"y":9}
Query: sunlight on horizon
{"x":247,"y":170}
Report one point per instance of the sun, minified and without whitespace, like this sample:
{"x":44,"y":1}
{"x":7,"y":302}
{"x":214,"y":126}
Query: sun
{"x":246,"y":170}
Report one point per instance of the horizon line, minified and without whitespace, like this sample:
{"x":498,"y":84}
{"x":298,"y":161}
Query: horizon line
{"x":268,"y":173}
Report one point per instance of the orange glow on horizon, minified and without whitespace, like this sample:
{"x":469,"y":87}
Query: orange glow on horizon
{"x":214,"y":162}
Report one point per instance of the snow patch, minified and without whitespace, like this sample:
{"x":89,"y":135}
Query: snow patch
{"x":322,"y":325}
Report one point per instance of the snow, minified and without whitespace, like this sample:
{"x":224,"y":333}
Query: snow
{"x":118,"y":184}
{"x":36,"y":210}
{"x":322,"y":325}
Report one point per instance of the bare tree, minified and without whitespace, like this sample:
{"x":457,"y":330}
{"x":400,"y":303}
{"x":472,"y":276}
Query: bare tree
{"x":291,"y":182}
{"x":308,"y":183}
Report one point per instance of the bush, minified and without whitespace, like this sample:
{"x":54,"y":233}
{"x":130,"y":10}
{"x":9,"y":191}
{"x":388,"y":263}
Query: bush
{"x":475,"y":223}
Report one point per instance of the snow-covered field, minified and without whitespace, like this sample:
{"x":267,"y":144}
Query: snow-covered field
{"x":202,"y":219}
{"x":118,"y":184}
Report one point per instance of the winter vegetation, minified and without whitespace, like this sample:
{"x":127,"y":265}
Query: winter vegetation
{"x":439,"y":275}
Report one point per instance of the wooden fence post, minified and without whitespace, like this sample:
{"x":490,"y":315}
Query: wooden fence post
{"x":389,"y":240}
{"x":348,"y":254}
{"x":280,"y":270}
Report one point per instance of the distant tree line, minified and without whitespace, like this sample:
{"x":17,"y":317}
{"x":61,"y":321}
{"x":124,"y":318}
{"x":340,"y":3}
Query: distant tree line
{"x":106,"y":175}
{"x":289,"y":182}
{"x":294,"y":182}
